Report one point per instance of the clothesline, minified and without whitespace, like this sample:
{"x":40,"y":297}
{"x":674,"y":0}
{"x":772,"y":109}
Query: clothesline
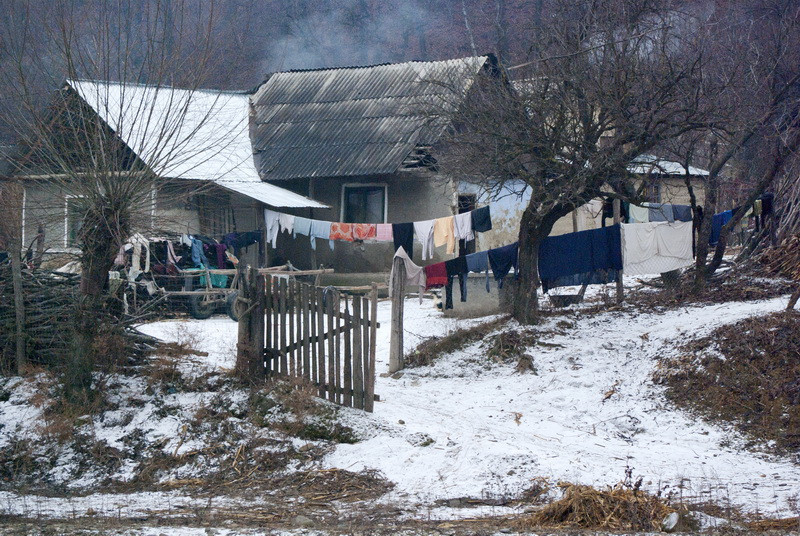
{"x":432,"y":233}
{"x":594,"y":256}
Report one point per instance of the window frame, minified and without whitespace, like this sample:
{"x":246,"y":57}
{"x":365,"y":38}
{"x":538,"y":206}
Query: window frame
{"x":343,"y":198}
{"x":67,"y":243}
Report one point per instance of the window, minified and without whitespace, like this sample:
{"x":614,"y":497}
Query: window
{"x":364,"y":203}
{"x":74,"y":212}
{"x":654,"y":191}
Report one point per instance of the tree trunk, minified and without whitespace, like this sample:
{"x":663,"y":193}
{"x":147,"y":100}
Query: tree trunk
{"x":526,"y":297}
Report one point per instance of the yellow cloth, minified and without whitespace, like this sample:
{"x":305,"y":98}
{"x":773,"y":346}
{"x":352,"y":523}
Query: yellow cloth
{"x":757,"y":208}
{"x":444,"y":233}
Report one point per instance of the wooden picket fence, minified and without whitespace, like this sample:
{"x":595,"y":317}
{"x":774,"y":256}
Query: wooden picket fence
{"x":323,"y":336}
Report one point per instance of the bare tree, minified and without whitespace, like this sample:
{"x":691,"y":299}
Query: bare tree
{"x":116,"y":126}
{"x":605,"y":82}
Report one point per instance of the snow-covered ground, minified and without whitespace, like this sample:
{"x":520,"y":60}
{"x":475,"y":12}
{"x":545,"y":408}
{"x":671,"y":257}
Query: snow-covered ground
{"x":494,"y":430}
{"x":469,"y":427}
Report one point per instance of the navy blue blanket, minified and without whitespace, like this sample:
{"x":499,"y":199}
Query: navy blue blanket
{"x":579,"y":253}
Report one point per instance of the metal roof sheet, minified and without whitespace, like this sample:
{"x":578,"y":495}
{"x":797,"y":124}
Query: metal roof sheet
{"x":350,"y":121}
{"x":270,"y":194}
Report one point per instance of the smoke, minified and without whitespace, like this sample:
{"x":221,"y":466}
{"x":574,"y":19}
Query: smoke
{"x":352,"y":33}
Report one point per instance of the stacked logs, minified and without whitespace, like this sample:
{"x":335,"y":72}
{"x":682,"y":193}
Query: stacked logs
{"x":50,"y":300}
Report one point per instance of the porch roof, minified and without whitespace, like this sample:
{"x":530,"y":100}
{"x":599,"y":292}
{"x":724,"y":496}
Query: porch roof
{"x":270,"y":194}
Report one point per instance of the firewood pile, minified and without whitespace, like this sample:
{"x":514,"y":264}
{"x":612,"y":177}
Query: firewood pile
{"x":784,"y":259}
{"x":50,"y":300}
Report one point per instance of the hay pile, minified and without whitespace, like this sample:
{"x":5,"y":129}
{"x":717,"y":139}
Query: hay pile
{"x":617,"y":508}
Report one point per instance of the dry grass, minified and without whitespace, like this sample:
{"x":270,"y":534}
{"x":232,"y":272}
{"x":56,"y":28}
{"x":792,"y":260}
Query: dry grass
{"x":326,"y":485}
{"x":428,"y":351}
{"x":617,"y":508}
{"x":784,"y":525}
{"x":756,"y":385}
{"x":511,"y":346}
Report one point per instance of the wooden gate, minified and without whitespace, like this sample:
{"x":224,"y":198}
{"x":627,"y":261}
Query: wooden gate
{"x":324,"y":336}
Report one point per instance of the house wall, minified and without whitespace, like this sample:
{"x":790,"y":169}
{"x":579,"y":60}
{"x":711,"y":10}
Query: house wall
{"x":411,"y":196}
{"x":179,"y":209}
{"x":45,"y":205}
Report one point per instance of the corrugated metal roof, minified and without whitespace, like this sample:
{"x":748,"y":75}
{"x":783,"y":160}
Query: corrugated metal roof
{"x":350,"y":121}
{"x":187,"y":134}
{"x":647,"y":163}
{"x":270,"y":194}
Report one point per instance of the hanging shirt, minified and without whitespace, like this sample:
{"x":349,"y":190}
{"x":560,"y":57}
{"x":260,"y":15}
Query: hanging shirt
{"x":364,"y":231}
{"x":583,"y":252}
{"x":481,"y":219}
{"x":424,"y":233}
{"x":403,"y":237}
{"x":656,"y":247}
{"x":302,"y":226}
{"x":383,"y":232}
{"x":139,"y":242}
{"x":501,"y":260}
{"x":479,"y":262}
{"x":272,"y":225}
{"x":443,"y":233}
{"x":287,"y":222}
{"x":415,"y":275}
{"x":462,"y":226}
{"x":717,"y":221}
{"x":661,"y":212}
{"x":320,"y":229}
{"x":682,"y":212}
{"x":435,"y":275}
{"x":341,"y":231}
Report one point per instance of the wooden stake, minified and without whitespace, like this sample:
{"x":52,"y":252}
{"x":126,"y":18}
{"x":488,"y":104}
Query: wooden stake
{"x":398,"y":299}
{"x":617,"y":220}
{"x":369,"y":392}
{"x":348,"y":356}
{"x":358,"y":356}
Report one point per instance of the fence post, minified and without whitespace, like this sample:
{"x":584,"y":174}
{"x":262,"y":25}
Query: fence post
{"x":245,"y":343}
{"x":258,"y":298}
{"x":617,"y":220}
{"x":398,"y":297}
{"x":369,"y":392}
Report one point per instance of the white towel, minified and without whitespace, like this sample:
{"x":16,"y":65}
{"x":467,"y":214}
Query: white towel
{"x":656,"y":247}
{"x":272,"y":225}
{"x":423,"y":232}
{"x":287,"y":222}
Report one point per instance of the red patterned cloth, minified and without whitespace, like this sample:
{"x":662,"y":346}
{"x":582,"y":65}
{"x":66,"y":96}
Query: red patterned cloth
{"x":364,"y":231}
{"x":435,"y":275}
{"x":341,"y":231}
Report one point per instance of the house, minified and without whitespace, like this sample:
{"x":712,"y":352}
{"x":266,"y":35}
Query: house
{"x":361,"y":140}
{"x":194,"y":143}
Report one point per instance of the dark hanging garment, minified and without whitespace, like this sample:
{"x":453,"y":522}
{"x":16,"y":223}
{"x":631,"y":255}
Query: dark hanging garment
{"x":682,"y":212}
{"x":403,"y":236}
{"x":457,"y":268}
{"x":482,"y":219}
{"x":590,"y":255}
{"x":717,"y":221}
{"x":479,"y":262}
{"x":501,"y":260}
{"x":220,"y":255}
